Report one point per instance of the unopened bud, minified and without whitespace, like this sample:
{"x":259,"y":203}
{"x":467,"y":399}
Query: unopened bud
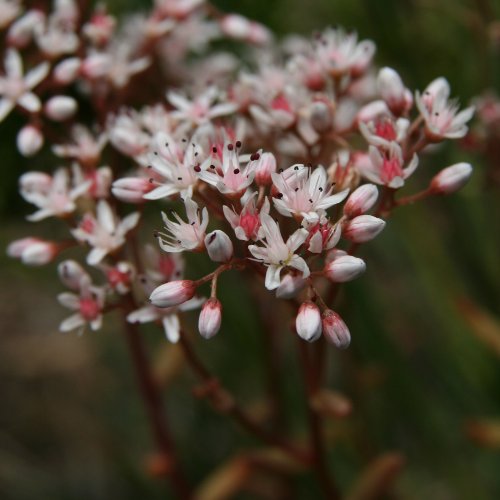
{"x":60,"y":108}
{"x":321,"y":116}
{"x":451,"y":179}
{"x":335,"y":329}
{"x":308,"y":321}
{"x":361,"y":200}
{"x":219,"y":246}
{"x":210,"y":318}
{"x":363,"y":228}
{"x":290,"y":286}
{"x":173,"y":293}
{"x":264,"y":168}
{"x":29,"y":140}
{"x":33,"y":251}
{"x":67,"y":70}
{"x":71,"y":274}
{"x":131,"y":189}
{"x":344,"y":268}
{"x":392,"y":90}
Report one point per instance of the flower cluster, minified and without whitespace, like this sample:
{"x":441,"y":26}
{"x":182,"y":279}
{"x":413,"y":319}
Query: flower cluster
{"x":278,"y":172}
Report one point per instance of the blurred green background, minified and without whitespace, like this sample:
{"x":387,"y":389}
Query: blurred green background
{"x":422,"y":370}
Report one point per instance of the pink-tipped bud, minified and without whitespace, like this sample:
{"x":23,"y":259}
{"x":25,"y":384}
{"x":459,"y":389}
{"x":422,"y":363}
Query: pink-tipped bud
{"x":321,"y":116}
{"x":60,"y":108}
{"x":335,"y":329}
{"x":361,"y":200}
{"x":219,"y":246}
{"x":308,"y":321}
{"x":131,"y":189}
{"x":33,"y":251}
{"x":344,"y":268}
{"x":265,"y":166}
{"x":363,"y":228}
{"x":29,"y":140}
{"x":67,"y":70}
{"x":451,"y":179}
{"x":392,"y":90}
{"x":173,"y":293}
{"x":210,"y":318}
{"x":290,"y":286}
{"x":71,"y":274}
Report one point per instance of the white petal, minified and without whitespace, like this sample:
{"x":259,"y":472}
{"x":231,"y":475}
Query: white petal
{"x":69,"y":300}
{"x":30,"y":102}
{"x":300,"y":264}
{"x":172,"y":327}
{"x":71,"y":323}
{"x":273,"y":277}
{"x":105,"y":216}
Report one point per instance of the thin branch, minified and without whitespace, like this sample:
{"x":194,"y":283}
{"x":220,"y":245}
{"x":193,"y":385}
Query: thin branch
{"x":224,"y":401}
{"x":154,"y":407}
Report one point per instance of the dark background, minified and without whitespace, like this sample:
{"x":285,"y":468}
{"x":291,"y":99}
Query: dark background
{"x":423,"y":369}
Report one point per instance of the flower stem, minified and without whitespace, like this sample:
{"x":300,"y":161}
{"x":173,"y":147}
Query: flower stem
{"x":154,"y":407}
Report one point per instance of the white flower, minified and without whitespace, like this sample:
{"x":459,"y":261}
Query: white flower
{"x":104,"y":233}
{"x":277,"y":254}
{"x":339,"y":52}
{"x":185,"y":235}
{"x":52,"y":195}
{"x":178,"y":166}
{"x":85,"y":148}
{"x":16,"y":89}
{"x":88,"y":303}
{"x":305,"y":194}
{"x":442,"y":119}
{"x":201,"y":109}
{"x":227,"y":174}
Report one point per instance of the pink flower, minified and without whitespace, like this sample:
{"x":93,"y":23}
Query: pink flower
{"x":386,"y":167}
{"x":88,"y":303}
{"x":247,"y":223}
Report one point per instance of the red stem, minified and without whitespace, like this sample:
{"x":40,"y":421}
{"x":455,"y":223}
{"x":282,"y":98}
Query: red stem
{"x":152,"y":401}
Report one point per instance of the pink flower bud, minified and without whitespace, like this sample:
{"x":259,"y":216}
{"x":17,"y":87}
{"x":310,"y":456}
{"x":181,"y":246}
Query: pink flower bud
{"x":290,"y":286}
{"x":236,"y":26}
{"x":451,"y":179}
{"x":265,"y":165}
{"x":219,"y":246}
{"x":173,"y":293}
{"x":67,"y":70}
{"x":308,"y":321}
{"x":60,"y":108}
{"x":71,"y":274}
{"x":392,"y":90}
{"x":210,"y":318}
{"x":335,"y":329}
{"x":259,"y":34}
{"x":361,"y":200}
{"x":321,"y":116}
{"x":363,"y":228}
{"x":131,"y":189}
{"x":29,"y":140}
{"x":33,"y":251}
{"x":344,"y":268}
